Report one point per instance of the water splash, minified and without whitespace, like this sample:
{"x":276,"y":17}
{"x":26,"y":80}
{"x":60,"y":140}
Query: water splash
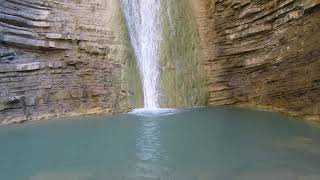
{"x":143,"y":21}
{"x":160,"y":112}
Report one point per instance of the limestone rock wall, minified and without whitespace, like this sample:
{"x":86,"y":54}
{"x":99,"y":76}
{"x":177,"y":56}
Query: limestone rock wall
{"x":266,"y":53}
{"x":65,"y":57}
{"x":72,"y":57}
{"x":183,"y":77}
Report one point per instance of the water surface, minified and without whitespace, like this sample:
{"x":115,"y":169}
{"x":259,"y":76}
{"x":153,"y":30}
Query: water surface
{"x":199,"y":144}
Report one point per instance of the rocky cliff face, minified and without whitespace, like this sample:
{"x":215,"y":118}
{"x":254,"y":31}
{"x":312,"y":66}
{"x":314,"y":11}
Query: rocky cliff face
{"x":183,"y":77}
{"x":72,"y":57}
{"x":66,"y":57}
{"x":266,"y":53}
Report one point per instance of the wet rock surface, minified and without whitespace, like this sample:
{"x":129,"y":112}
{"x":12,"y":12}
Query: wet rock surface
{"x":7,"y":56}
{"x":265,"y":54}
{"x":60,"y":58}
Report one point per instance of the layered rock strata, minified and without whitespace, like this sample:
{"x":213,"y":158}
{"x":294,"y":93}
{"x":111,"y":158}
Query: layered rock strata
{"x":72,"y":57}
{"x":266,"y":54}
{"x":64,"y":57}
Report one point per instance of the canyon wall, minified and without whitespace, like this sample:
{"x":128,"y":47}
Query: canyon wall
{"x":63,"y":58}
{"x":183,"y":75}
{"x":73,"y":57}
{"x":263,"y":53}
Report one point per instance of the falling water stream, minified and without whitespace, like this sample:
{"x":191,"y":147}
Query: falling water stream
{"x":143,"y":21}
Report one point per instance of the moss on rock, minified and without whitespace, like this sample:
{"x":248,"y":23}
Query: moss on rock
{"x":183,"y":77}
{"x":130,"y":76}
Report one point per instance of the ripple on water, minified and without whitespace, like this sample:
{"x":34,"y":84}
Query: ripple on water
{"x":166,"y":144}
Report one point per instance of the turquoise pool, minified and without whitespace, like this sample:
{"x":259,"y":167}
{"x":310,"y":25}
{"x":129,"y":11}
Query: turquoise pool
{"x":195,"y":144}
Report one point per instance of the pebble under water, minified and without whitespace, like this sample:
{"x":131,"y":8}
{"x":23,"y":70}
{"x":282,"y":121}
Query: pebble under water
{"x":199,"y":144}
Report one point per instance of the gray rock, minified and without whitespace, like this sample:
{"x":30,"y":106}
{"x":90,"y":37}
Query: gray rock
{"x":7,"y":56}
{"x":21,"y":67}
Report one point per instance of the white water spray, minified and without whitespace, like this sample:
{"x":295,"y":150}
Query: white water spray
{"x":143,"y":21}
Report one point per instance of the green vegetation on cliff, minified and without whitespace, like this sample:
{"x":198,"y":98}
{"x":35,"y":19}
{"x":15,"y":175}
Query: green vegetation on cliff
{"x":183,"y":77}
{"x":130,"y":77}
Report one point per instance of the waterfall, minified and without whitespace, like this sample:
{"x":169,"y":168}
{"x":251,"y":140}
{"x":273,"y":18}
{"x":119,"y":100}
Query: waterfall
{"x":143,"y":21}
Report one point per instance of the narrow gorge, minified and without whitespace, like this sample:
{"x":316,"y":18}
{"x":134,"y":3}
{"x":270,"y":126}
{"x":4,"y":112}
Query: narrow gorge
{"x":160,"y":89}
{"x":76,"y":57}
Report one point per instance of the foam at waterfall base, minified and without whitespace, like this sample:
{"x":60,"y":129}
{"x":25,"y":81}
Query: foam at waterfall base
{"x":154,"y":111}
